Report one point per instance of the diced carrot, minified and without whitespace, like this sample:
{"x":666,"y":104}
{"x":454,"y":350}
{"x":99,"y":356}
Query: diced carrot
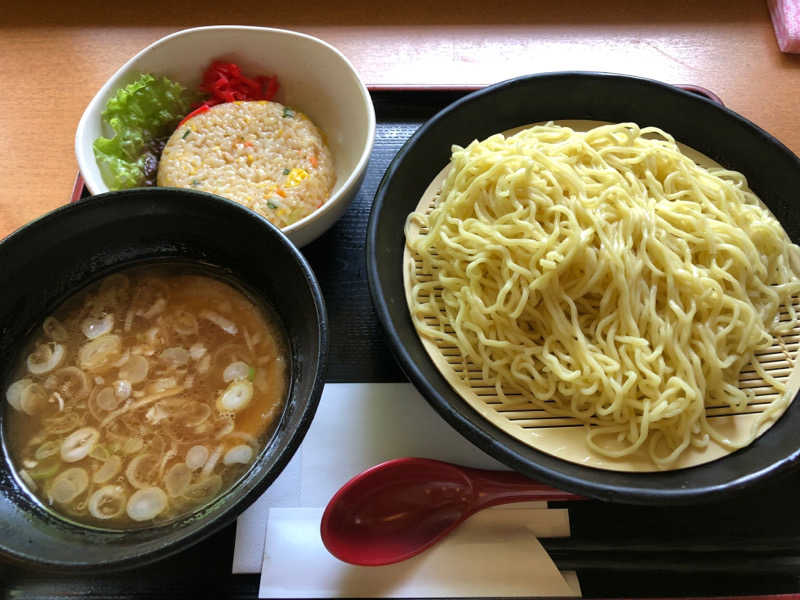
{"x":281,"y":193}
{"x":313,"y":160}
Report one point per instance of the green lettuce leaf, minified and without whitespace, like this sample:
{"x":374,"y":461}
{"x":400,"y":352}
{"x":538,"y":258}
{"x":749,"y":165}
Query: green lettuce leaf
{"x":139,"y":114}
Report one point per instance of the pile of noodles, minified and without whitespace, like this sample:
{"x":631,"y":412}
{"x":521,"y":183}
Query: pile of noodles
{"x":607,"y":277}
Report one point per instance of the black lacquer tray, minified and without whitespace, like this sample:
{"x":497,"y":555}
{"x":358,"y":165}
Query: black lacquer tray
{"x":746,"y":545}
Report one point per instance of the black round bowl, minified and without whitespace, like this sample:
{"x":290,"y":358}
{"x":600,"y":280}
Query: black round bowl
{"x":772,"y":170}
{"x":46,"y":261}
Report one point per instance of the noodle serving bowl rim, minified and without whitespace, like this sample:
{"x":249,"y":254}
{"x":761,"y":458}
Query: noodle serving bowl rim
{"x":502,"y":106}
{"x":158,"y":541}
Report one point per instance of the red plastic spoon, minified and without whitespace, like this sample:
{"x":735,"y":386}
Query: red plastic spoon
{"x":399,"y":508}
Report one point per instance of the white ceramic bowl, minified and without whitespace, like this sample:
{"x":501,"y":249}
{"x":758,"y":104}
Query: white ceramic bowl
{"x":314,"y":77}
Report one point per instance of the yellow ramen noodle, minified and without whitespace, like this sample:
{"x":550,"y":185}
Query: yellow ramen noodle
{"x":607,"y":277}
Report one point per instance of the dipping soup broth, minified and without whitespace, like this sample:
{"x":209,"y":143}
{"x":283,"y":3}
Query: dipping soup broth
{"x":145,"y":396}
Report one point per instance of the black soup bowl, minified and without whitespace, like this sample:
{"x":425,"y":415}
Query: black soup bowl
{"x":55,"y":256}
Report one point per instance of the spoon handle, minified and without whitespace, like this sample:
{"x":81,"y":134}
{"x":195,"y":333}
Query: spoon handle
{"x":501,"y":487}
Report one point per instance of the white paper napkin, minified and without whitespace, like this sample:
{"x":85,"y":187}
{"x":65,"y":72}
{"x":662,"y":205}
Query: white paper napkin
{"x":356,"y":427}
{"x":494,"y":553}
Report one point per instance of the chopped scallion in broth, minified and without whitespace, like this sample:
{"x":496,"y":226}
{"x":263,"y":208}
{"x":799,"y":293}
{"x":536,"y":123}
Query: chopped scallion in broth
{"x":144,"y":396}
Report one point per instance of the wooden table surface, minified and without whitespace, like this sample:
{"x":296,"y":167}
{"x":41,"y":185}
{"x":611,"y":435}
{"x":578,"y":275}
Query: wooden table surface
{"x":56,"y":55}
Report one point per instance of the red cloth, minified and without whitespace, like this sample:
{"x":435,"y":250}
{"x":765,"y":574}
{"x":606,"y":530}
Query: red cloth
{"x":786,"y":21}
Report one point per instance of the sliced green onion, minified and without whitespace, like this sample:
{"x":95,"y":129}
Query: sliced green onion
{"x":45,"y":470}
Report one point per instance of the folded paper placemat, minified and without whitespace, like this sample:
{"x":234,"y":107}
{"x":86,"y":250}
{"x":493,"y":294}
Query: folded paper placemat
{"x":786,"y":21}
